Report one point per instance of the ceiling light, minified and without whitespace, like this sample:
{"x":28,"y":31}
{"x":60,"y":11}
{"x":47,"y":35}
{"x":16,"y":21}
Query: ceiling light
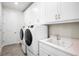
{"x":35,"y":9}
{"x":16,"y":3}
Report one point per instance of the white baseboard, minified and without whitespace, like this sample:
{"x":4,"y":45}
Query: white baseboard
{"x":4,"y":44}
{"x":10,"y":44}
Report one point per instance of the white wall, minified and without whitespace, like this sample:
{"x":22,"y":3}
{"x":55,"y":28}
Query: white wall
{"x":0,"y":27}
{"x":0,"y":23}
{"x":67,"y":30}
{"x":12,"y":22}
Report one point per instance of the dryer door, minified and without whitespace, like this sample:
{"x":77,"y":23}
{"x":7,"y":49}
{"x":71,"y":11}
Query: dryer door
{"x":28,"y":37}
{"x":21,"y":34}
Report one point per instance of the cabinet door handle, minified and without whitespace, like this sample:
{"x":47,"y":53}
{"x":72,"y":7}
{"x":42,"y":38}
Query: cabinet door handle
{"x":49,"y":55}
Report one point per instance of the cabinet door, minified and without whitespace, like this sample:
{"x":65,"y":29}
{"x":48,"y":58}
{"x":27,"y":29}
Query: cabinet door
{"x":42,"y":53}
{"x":29,"y":53}
{"x":45,"y":12}
{"x":51,"y":50}
{"x":27,"y":17}
{"x":32,"y":14}
{"x":50,"y":9}
{"x":38,"y":13}
{"x":70,"y":10}
{"x":41,"y":13}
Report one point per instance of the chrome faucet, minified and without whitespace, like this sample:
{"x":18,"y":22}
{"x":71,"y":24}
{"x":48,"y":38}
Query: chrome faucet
{"x":58,"y":37}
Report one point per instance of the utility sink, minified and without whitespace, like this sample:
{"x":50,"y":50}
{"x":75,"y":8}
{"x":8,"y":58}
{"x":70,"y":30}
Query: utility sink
{"x":67,"y":45}
{"x":63,"y":42}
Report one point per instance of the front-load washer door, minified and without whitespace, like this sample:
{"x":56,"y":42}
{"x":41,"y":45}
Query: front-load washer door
{"x":28,"y":37}
{"x":21,"y":34}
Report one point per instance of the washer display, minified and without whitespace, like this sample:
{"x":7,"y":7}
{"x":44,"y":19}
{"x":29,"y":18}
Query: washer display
{"x":28,"y":37}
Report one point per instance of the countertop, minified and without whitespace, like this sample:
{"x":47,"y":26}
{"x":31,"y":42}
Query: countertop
{"x":73,"y":49}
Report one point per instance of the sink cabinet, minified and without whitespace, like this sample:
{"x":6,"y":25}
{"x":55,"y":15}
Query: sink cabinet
{"x":47,"y":50}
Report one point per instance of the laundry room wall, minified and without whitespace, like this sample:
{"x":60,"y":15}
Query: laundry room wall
{"x":12,"y":22}
{"x":0,"y":24}
{"x":66,"y":30}
{"x":0,"y":27}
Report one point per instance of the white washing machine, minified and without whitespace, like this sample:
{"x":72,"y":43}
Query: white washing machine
{"x":22,"y":37}
{"x":24,"y":48}
{"x":32,"y":35}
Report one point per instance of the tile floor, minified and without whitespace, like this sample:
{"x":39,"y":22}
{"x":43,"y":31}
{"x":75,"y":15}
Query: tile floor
{"x":12,"y":50}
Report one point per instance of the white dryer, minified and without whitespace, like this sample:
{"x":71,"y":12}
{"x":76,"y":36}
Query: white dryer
{"x":22,"y":34}
{"x":32,"y":35}
{"x":24,"y":49}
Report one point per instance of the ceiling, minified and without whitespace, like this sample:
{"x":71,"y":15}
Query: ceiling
{"x":20,"y":6}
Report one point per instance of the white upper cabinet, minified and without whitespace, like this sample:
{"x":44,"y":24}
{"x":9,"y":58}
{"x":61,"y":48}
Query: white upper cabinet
{"x":41,"y":13}
{"x":31,"y":14}
{"x":61,"y":12}
{"x":35,"y":12}
{"x":52,"y":12}
{"x":27,"y":15}
{"x":70,"y":10}
{"x":47,"y":12}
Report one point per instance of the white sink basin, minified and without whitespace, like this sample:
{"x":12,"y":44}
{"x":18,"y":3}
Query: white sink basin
{"x":64,"y":42}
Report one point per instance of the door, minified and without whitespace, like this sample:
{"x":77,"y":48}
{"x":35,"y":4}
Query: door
{"x":10,"y":30}
{"x":70,"y":10}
